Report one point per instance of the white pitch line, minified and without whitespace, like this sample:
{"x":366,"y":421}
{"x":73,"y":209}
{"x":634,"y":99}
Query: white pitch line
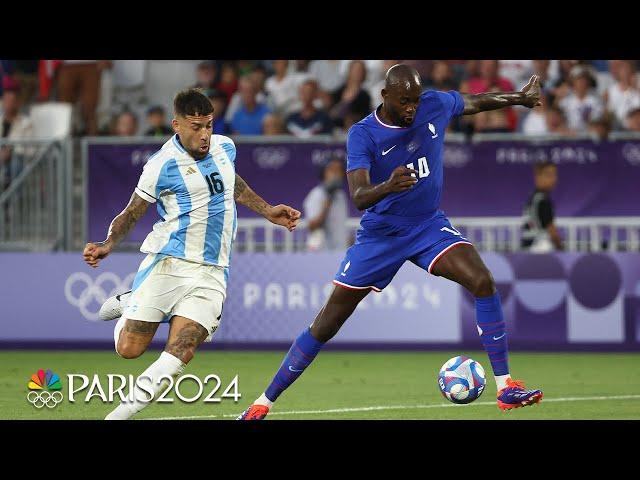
{"x":400,"y":407}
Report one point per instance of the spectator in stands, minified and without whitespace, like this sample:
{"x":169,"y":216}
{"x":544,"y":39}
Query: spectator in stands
{"x":561,"y":86}
{"x":351,"y":101}
{"x":259,"y":76}
{"x":219,"y":103}
{"x":600,"y":128}
{"x":623,"y":96}
{"x":228,"y":80}
{"x":236,"y":100}
{"x":272,"y":124}
{"x":248,"y":118}
{"x":206,"y":74}
{"x":309,"y":120}
{"x":125,"y":124}
{"x":581,"y":105}
{"x":14,"y":124}
{"x":329,"y":77}
{"x":282,"y":87}
{"x":556,"y":122}
{"x":326,"y":209}
{"x":441,"y":77}
{"x":539,"y":233}
{"x":633,"y":120}
{"x":488,"y":80}
{"x":157,"y":121}
{"x":79,"y":81}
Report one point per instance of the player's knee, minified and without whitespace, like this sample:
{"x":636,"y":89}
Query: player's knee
{"x":483,"y":285}
{"x":129,"y":350}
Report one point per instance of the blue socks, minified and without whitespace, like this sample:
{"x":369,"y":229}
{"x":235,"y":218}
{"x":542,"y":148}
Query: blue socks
{"x":493,"y":332}
{"x":300,"y":355}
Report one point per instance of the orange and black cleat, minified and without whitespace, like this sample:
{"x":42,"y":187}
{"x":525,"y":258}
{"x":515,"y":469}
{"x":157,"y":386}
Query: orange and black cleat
{"x":254,"y":412}
{"x":514,"y":395}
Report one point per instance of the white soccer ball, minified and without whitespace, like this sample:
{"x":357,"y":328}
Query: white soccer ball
{"x":461,"y":379}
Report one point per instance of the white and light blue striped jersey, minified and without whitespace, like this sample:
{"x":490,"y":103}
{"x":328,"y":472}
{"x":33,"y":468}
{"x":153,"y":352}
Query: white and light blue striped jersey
{"x":195,"y":201}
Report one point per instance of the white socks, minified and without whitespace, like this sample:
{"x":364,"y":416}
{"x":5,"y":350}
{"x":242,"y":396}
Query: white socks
{"x":263,"y":400}
{"x":501,"y":381}
{"x":167,"y":364}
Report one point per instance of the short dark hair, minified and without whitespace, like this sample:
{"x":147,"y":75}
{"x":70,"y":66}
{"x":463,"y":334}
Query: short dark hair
{"x":192,"y":102}
{"x":540,"y":166}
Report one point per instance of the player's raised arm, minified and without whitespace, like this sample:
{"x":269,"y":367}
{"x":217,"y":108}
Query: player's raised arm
{"x":283,"y":215}
{"x":120,"y":226}
{"x":365,"y":195}
{"x":529,"y":96}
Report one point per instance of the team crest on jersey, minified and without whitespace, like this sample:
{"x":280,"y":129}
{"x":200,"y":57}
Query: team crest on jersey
{"x":412,"y":147}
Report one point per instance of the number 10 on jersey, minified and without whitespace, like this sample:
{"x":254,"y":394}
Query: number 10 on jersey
{"x":423,"y":167}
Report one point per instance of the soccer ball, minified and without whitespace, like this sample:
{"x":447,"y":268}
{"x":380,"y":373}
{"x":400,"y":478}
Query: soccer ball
{"x":461,"y":380}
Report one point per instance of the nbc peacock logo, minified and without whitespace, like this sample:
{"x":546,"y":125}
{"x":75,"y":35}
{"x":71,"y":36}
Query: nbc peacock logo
{"x":44,"y":389}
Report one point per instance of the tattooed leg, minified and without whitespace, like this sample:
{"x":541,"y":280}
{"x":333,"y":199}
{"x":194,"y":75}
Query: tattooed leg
{"x":134,"y":338}
{"x":184,"y":337}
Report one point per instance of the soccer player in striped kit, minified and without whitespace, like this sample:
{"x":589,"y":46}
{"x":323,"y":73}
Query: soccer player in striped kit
{"x":184,"y":276}
{"x":394,"y":169}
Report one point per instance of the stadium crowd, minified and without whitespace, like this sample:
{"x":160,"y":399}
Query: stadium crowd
{"x":310,"y":97}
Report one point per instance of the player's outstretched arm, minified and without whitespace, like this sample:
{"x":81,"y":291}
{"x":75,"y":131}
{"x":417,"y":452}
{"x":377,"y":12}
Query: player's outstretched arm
{"x":283,"y":215}
{"x":365,"y":195}
{"x":529,"y":96}
{"x":120,"y":226}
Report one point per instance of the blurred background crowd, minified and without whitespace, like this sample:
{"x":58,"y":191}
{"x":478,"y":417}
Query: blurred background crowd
{"x":304,"y":98}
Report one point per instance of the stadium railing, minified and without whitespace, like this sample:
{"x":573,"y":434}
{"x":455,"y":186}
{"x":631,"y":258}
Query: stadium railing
{"x":493,"y":234}
{"x":35,"y":195}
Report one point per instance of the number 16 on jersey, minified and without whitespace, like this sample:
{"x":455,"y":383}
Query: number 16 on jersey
{"x":423,"y":168}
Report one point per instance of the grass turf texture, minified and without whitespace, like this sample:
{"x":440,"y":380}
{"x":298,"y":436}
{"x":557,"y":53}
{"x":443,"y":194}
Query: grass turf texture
{"x":343,"y":380}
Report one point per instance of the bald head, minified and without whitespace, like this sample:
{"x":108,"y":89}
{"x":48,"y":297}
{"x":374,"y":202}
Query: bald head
{"x":401,"y":95}
{"x":402,"y":76}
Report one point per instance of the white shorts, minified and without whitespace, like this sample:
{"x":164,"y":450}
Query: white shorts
{"x":166,"y":286}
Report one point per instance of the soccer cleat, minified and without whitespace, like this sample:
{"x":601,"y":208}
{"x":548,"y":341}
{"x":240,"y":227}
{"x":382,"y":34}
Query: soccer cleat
{"x":514,"y":395}
{"x":254,"y":412}
{"x":114,"y":306}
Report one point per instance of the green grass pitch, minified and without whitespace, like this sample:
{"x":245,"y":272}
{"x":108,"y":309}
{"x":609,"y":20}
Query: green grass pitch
{"x":345,"y":385}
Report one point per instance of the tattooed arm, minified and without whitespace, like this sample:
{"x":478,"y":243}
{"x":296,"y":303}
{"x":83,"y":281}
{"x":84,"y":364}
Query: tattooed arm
{"x":118,"y":230}
{"x":529,"y":96}
{"x":280,"y":214}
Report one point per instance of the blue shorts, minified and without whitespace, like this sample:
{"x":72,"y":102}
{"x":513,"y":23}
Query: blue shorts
{"x":384,"y":243}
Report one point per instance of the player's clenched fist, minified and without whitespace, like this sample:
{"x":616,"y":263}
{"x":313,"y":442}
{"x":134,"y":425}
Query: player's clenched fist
{"x":401,"y":179}
{"x":94,"y":252}
{"x":284,"y":215}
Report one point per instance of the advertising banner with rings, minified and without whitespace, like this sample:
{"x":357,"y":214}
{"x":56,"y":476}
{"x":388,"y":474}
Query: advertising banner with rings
{"x":552,"y":301}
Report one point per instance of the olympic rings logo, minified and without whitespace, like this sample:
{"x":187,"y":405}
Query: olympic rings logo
{"x":94,"y":291}
{"x":42,"y":399}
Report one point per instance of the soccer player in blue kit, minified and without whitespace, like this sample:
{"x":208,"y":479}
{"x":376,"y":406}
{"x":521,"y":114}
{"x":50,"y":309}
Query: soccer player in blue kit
{"x":394,"y":169}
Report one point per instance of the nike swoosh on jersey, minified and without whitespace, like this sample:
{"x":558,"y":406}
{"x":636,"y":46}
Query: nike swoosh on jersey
{"x":498,"y":338}
{"x":384,"y":152}
{"x":294,"y":370}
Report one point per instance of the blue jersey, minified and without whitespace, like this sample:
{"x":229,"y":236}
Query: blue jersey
{"x":380,"y":148}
